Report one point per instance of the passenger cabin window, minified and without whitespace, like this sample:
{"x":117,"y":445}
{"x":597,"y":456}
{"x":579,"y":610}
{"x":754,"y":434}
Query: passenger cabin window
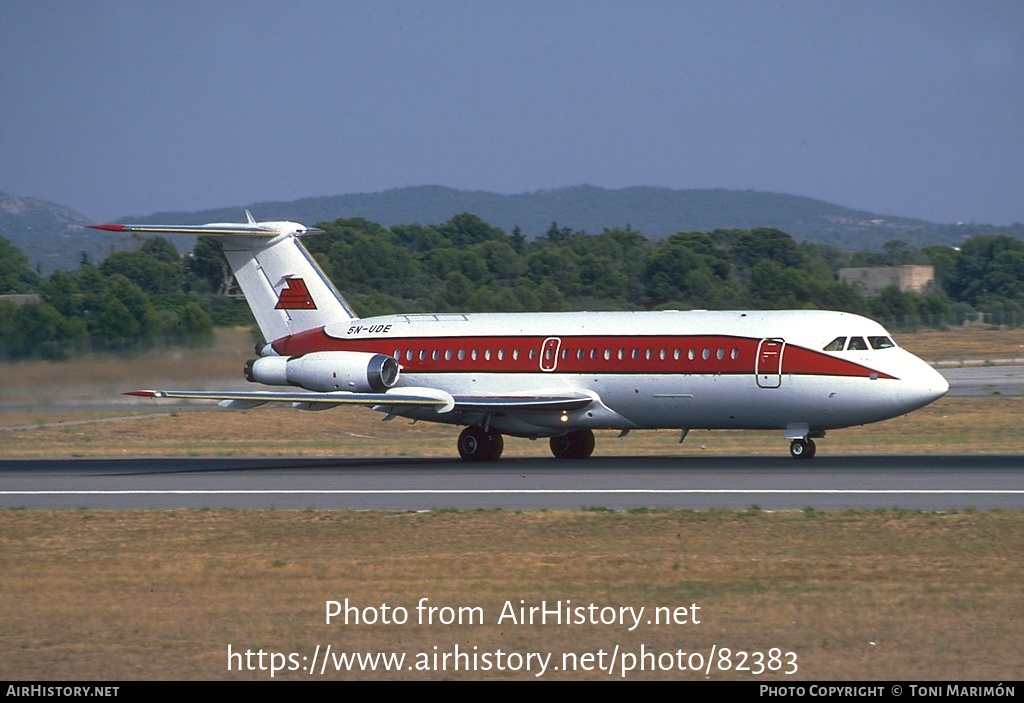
{"x":836,"y":344}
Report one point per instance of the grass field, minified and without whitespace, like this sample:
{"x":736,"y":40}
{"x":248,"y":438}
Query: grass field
{"x":108,"y":595}
{"x":877,"y":595}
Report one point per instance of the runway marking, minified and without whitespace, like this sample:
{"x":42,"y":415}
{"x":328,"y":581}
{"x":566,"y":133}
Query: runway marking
{"x":520,"y":491}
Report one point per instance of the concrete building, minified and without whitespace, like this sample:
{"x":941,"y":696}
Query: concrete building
{"x":873,"y":279}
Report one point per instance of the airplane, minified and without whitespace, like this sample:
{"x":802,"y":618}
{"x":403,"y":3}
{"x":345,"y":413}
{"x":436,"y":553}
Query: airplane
{"x":554,"y":375}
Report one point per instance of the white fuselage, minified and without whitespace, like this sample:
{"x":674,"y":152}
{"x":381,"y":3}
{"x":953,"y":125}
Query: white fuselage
{"x":647,"y":370}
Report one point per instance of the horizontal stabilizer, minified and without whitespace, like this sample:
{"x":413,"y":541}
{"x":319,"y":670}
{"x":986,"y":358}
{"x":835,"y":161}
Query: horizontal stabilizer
{"x":255,"y":229}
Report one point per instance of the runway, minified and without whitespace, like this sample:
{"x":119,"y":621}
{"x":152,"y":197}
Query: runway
{"x":943,"y":482}
{"x":981,"y":381}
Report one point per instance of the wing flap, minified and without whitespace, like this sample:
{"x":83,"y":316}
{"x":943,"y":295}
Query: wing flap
{"x":492,"y":403}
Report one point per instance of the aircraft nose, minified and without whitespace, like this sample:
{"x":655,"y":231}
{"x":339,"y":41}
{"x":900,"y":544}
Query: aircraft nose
{"x":926,"y":385}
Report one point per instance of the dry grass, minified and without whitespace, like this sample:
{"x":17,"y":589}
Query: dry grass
{"x":965,"y":343}
{"x":881,"y":595}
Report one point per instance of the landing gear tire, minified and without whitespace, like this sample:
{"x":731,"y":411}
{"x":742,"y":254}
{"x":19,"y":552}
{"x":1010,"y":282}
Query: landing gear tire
{"x":578,"y":444}
{"x":802,"y":449}
{"x":477,"y":445}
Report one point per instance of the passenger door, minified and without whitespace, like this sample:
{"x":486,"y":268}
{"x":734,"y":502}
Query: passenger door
{"x":768,"y":370}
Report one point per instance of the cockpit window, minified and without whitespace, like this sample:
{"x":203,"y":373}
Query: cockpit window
{"x":858,"y":344}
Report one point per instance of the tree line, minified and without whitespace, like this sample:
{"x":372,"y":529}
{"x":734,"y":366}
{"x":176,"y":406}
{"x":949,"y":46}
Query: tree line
{"x":151,"y":295}
{"x":134,"y":299}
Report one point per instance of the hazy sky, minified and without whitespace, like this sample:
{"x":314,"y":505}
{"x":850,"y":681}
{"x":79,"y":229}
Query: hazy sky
{"x":903,"y":108}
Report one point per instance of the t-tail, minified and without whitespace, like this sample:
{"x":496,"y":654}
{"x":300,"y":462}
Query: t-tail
{"x":285,"y":287}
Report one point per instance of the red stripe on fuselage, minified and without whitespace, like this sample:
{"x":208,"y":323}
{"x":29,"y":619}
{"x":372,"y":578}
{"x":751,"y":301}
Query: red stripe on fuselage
{"x":604,"y":354}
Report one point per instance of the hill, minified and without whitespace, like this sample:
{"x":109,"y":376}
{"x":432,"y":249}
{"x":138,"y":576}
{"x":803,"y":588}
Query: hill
{"x":655,"y":212}
{"x":53,"y":237}
{"x":50,"y":235}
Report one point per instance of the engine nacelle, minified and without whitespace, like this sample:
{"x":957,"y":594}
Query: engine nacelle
{"x":326,"y":371}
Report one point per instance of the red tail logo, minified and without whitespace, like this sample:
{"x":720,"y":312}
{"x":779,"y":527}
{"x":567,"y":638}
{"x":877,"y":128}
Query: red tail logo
{"x":295,"y":296}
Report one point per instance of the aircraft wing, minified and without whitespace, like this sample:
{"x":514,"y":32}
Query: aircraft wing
{"x":241,"y":400}
{"x":403,"y":396}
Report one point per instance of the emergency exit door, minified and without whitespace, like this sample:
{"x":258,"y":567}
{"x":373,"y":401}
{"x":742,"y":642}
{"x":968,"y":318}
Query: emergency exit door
{"x":549,"y":354}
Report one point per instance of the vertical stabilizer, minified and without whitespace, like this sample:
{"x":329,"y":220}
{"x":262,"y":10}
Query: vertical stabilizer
{"x":285,"y":287}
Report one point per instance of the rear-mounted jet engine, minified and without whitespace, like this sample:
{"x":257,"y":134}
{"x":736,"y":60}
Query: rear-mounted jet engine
{"x":359,"y":372}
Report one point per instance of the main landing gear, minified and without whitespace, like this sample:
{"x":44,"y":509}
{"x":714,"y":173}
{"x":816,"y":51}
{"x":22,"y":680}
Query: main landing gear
{"x":578,"y":444}
{"x":802,"y":449}
{"x":476,"y":444}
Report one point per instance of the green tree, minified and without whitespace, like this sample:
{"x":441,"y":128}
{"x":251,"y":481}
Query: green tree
{"x":207,"y":269}
{"x":16,"y":276}
{"x":988,"y":266}
{"x":193,"y":322}
{"x":150,"y":273}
